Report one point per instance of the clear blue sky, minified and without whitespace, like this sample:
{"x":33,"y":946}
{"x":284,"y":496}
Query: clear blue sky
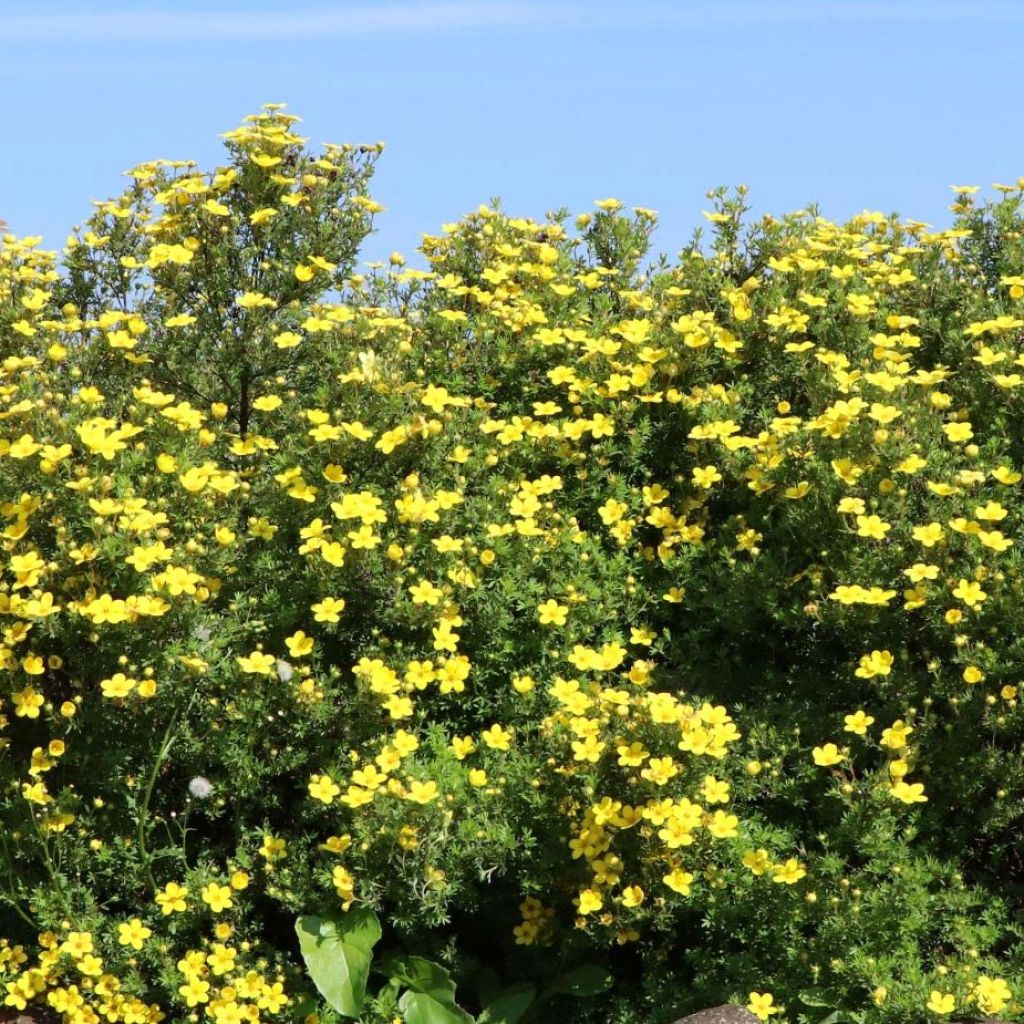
{"x":545,"y":104}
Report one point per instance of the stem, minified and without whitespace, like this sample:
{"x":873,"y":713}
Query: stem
{"x":51,"y":871}
{"x":165,"y":747}
{"x":10,"y":894}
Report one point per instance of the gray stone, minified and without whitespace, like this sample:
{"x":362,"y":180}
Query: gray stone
{"x":725,"y":1014}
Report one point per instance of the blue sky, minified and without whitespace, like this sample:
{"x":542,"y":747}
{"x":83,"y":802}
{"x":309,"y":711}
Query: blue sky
{"x":853,"y":105}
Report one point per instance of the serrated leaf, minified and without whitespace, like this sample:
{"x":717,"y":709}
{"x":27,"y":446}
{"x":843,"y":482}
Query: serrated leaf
{"x":509,"y":1005}
{"x":337,"y":951}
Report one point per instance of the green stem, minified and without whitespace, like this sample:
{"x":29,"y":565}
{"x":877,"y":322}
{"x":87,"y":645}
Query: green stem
{"x":51,"y":871}
{"x":9,"y":894}
{"x":165,"y":747}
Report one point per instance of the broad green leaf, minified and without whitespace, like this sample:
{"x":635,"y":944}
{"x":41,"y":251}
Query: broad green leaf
{"x":430,"y":998}
{"x":835,"y":1017}
{"x":509,"y":1005}
{"x":419,"y":1008}
{"x":337,"y":951}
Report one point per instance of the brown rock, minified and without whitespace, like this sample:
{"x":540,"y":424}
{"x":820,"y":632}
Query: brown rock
{"x":725,"y":1014}
{"x":33,"y":1015}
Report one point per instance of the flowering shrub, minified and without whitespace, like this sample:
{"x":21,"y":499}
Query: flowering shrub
{"x":565,"y":612}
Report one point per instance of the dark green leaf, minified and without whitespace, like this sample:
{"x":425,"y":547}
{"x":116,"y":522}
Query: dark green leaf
{"x":588,"y":980}
{"x":509,"y":1005}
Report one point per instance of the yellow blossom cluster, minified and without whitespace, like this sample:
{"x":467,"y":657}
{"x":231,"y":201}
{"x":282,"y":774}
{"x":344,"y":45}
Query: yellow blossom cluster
{"x":325,"y":588}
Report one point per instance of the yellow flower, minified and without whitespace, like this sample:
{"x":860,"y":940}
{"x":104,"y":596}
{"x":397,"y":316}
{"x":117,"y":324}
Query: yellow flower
{"x":118,"y":686}
{"x":588,"y":749}
{"x":789,"y":873}
{"x":715,"y":791}
{"x":590,"y":900}
{"x":133,"y":933}
{"x":928,"y":535}
{"x":33,"y":665}
{"x":761,"y":1005}
{"x":344,"y":885}
{"x":679,"y":881}
{"x":496,"y":737}
{"x":195,"y":991}
{"x":523,"y":684}
{"x":872,"y":526}
{"x":969,"y":592}
{"x":757,"y":861}
{"x":706,"y":476}
{"x":895,"y":737}
{"x":908,"y":793}
{"x":329,"y":609}
{"x":172,"y":899}
{"x":632,"y":896}
{"x":632,"y":755}
{"x":424,"y":592}
{"x":27,"y":702}
{"x":217,"y":897}
{"x":463,"y":746}
{"x":877,"y":663}
{"x":258,"y":663}
{"x":551,"y":613}
{"x":941,"y":1002}
{"x":723,"y":825}
{"x":958,"y":432}
{"x":422,"y":792}
{"x":255,"y":300}
{"x":299,"y":645}
{"x":323,"y":788}
{"x":991,"y":994}
{"x":827,"y":755}
{"x":858,"y":723}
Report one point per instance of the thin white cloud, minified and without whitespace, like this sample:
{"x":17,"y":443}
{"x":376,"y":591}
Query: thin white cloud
{"x":768,"y":12}
{"x":362,"y":18}
{"x":264,"y":26}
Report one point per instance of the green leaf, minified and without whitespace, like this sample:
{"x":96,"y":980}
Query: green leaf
{"x":430,"y":995}
{"x":816,"y":997}
{"x":509,"y":1005}
{"x":337,"y":951}
{"x":588,"y":980}
{"x":488,"y":985}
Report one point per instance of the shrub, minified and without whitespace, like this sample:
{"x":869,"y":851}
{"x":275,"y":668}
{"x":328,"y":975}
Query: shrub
{"x":560,"y":609}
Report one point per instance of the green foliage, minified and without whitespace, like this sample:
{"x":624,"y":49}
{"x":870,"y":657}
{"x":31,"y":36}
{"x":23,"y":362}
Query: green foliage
{"x":337,"y":952}
{"x":544,"y":615}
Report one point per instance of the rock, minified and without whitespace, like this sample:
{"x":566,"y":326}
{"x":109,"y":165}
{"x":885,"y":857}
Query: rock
{"x":728,"y":1013}
{"x":33,"y":1015}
